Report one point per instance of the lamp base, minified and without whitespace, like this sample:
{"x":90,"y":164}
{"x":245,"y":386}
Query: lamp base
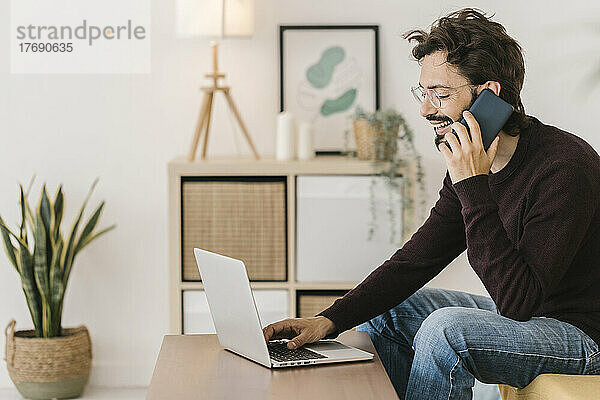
{"x":204,"y":120}
{"x":206,"y":110}
{"x":214,"y":75}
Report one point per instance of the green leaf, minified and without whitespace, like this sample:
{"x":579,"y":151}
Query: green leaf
{"x":8,"y":245}
{"x":68,"y":256}
{"x":18,"y":239}
{"x":47,"y":324}
{"x":94,"y":236}
{"x":57,"y":317}
{"x":83,"y":245}
{"x":29,"y":216}
{"x":29,"y":286}
{"x":40,"y":267}
{"x":30,"y":183}
{"x":46,"y":211}
{"x":23,"y":227}
{"x":56,"y":270}
{"x":41,"y":273}
{"x":89,"y":227}
{"x":57,"y":288}
{"x":59,"y":204}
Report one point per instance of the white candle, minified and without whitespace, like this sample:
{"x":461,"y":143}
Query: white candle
{"x":286,"y":136}
{"x":305,"y":141}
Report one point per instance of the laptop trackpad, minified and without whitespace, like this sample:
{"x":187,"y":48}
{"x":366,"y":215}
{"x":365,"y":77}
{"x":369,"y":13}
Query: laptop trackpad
{"x":326,"y":346}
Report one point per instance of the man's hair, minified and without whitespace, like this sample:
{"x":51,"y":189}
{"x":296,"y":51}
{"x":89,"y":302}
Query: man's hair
{"x":481,"y":51}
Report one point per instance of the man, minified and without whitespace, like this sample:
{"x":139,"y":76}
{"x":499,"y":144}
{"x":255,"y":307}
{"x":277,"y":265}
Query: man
{"x":527,"y":212}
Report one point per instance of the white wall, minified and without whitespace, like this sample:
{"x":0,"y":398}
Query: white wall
{"x":125,"y":128}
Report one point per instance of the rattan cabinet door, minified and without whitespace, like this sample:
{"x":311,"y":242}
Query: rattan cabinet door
{"x":312,"y":302}
{"x":240,"y":217}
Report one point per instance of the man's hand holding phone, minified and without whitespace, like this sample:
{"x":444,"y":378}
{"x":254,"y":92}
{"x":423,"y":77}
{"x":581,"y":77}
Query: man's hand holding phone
{"x":467,"y":158}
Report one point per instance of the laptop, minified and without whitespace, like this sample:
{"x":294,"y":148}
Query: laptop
{"x":238,"y":326}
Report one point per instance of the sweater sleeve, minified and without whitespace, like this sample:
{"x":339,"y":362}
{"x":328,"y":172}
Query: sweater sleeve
{"x":437,"y":242}
{"x":520,"y":276}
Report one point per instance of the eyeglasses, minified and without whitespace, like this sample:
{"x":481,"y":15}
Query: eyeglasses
{"x":436,"y":99}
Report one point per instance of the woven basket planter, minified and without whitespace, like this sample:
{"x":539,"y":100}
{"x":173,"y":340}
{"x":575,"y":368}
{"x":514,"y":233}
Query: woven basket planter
{"x":48,"y":368}
{"x":367,"y":137}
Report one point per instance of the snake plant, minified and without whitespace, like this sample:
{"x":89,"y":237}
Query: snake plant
{"x":45,"y":260}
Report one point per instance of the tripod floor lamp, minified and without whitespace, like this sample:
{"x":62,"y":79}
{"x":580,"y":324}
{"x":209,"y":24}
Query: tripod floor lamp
{"x":216,"y":19}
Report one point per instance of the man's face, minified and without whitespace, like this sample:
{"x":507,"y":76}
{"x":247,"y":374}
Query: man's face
{"x":441,"y":76}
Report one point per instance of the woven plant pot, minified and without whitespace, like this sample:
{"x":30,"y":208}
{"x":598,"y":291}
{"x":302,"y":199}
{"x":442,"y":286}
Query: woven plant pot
{"x":367,"y":139}
{"x":49,"y":368}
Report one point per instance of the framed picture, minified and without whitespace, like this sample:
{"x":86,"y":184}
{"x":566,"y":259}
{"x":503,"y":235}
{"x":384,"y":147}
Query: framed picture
{"x":325,"y":72}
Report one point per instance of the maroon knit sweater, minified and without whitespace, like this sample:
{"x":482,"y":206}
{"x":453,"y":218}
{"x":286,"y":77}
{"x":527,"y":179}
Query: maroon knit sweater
{"x":531,"y":230}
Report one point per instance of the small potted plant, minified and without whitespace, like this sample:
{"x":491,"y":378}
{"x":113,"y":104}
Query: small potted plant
{"x":49,"y":361}
{"x":379,"y":136}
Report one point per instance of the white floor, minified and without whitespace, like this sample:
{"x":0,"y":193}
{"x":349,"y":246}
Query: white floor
{"x":90,"y":393}
{"x":480,"y":392}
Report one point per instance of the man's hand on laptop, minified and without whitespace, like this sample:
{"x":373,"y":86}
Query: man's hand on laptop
{"x":299,"y":330}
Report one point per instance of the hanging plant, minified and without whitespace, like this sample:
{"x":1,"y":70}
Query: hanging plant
{"x":379,"y":136}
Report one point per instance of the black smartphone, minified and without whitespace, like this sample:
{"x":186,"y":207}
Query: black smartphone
{"x":491,"y":113}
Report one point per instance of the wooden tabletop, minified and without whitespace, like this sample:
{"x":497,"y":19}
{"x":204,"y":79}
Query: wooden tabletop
{"x":197,"y":367}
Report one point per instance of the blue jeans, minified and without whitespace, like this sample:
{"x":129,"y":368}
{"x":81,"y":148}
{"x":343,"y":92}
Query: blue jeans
{"x":437,"y":342}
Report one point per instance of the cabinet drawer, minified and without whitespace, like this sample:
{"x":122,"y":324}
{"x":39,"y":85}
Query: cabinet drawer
{"x":272,"y":306}
{"x":312,"y":302}
{"x":333,"y":217}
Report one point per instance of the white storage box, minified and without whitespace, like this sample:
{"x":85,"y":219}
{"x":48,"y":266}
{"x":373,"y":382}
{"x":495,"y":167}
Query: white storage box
{"x":272,"y":306}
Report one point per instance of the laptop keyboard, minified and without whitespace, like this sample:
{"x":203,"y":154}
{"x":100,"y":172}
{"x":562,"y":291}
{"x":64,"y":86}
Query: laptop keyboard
{"x":279,"y":352}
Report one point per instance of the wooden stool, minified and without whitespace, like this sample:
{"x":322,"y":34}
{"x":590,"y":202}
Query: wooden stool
{"x":555,"y":387}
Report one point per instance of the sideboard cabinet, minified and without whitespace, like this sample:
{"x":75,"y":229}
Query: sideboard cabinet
{"x":301,"y":228}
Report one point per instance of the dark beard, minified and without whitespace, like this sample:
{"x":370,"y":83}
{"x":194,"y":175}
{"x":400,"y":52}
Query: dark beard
{"x":439,"y":139}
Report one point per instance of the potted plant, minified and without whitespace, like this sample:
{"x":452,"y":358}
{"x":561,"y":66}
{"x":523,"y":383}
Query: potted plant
{"x":379,"y":136}
{"x":49,"y":361}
